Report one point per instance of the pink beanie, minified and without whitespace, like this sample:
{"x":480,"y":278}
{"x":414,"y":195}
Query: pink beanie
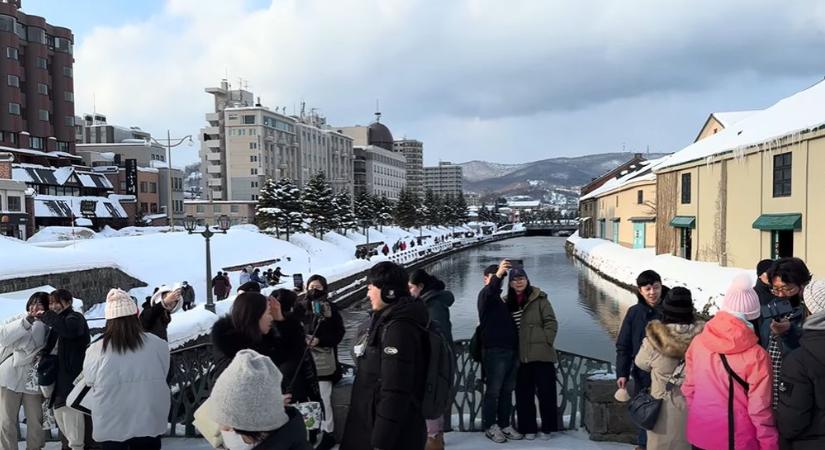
{"x":741,"y":298}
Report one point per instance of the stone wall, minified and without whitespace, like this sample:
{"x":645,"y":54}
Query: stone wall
{"x":605,"y":418}
{"x":90,"y":285}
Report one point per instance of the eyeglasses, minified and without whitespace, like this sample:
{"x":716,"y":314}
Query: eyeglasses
{"x":784,"y":290}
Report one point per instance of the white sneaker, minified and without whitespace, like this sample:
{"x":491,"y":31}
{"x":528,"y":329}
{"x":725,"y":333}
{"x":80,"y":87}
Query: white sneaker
{"x":495,"y":434}
{"x":530,"y":436}
{"x":544,"y":436}
{"x":512,"y":434}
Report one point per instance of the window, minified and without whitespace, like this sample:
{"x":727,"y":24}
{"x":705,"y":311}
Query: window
{"x":781,"y":243}
{"x":640,"y":196}
{"x":42,"y":89}
{"x":249,"y":120}
{"x":14,"y":204}
{"x":253,"y":158}
{"x":67,"y":71}
{"x":234,"y":208}
{"x":254,"y":197}
{"x":68,"y":96}
{"x":253,"y":146}
{"x":144,"y":207}
{"x":37,"y":143}
{"x":144,"y":187}
{"x":782,"y":175}
{"x":686,"y":188}
{"x":216,"y":208}
{"x":64,"y":147}
{"x":42,"y":63}
{"x":253,"y":184}
{"x":14,"y":108}
{"x":253,"y":171}
{"x":154,"y":208}
{"x":153,"y":188}
{"x":12,"y":53}
{"x":199,"y":209}
{"x":43,"y":114}
{"x":14,"y":81}
{"x":68,"y":121}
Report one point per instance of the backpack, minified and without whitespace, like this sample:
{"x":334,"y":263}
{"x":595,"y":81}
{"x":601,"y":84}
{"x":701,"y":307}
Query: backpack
{"x":441,"y":371}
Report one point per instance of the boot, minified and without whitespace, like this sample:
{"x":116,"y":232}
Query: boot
{"x":327,"y":442}
{"x":435,"y":442}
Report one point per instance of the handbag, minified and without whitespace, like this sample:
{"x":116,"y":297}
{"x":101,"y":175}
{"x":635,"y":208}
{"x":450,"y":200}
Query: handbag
{"x":644,"y":409}
{"x":311,"y":411}
{"x":78,"y":399}
{"x":325,"y":364}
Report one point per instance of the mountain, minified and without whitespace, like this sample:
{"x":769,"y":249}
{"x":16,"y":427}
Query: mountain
{"x":540,"y":177}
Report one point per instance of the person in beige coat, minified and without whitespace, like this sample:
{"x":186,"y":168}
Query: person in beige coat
{"x":662,"y":354}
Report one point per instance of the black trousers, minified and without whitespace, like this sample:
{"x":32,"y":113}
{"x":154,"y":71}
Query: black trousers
{"x":138,"y":443}
{"x":537,"y":379}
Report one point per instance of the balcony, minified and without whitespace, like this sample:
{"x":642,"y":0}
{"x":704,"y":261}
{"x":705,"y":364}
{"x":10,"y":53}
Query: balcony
{"x":214,"y":182}
{"x":213,"y":117}
{"x":213,"y":156}
{"x":212,"y":131}
{"x":213,"y":143}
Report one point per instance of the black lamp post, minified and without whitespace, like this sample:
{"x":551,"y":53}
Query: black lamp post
{"x":190,"y":223}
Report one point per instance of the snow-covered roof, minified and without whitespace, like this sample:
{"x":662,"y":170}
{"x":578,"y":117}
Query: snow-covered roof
{"x":524,"y":204}
{"x":643,"y":172}
{"x":28,"y":151}
{"x":788,"y":118}
{"x":730,"y":118}
{"x":68,"y":206}
{"x":37,"y":174}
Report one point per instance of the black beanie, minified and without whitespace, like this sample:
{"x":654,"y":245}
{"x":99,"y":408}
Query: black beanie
{"x":677,"y":306}
{"x":763,"y":266}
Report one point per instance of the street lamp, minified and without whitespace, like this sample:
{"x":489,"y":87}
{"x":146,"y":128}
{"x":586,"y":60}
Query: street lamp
{"x":169,"y":144}
{"x":190,"y":224}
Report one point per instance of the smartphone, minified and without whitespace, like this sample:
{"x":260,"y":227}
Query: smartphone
{"x":516,"y":263}
{"x":298,"y":281}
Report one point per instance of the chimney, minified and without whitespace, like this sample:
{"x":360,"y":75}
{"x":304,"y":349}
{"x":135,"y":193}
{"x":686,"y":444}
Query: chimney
{"x":5,"y":165}
{"x":259,"y":102}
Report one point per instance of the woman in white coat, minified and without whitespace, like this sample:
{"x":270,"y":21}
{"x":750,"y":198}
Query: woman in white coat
{"x":126,"y":370}
{"x":21,"y":339}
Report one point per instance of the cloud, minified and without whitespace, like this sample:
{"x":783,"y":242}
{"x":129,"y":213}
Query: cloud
{"x":478,"y":77}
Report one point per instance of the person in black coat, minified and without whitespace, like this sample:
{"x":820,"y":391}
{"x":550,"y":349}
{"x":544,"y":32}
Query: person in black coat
{"x":69,"y":334}
{"x":157,"y":312}
{"x":289,"y":348}
{"x":800,"y":415}
{"x":632,"y":333}
{"x":187,"y":292}
{"x":385,"y":410}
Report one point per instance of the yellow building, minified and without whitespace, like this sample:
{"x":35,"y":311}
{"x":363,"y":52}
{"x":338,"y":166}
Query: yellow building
{"x":748,"y":192}
{"x":625,"y":207}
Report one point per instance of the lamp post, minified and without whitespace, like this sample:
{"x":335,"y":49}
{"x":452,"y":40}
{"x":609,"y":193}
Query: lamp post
{"x":169,"y":144}
{"x":190,"y":223}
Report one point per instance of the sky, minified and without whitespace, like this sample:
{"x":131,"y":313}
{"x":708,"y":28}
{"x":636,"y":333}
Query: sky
{"x":501,"y":81}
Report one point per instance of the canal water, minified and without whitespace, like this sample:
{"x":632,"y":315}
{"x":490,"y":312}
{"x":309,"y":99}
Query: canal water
{"x":589,"y":309}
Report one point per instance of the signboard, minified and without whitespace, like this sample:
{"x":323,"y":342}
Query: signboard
{"x":131,"y":177}
{"x":88,"y":207}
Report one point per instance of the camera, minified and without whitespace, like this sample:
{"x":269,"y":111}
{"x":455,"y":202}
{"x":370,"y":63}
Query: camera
{"x":777,"y":309}
{"x":516,"y":263}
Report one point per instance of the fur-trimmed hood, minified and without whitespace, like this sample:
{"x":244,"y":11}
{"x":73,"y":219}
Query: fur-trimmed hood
{"x":672,"y":340}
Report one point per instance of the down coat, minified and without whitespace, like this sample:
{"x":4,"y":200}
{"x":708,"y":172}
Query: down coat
{"x":661,"y":353}
{"x":706,"y":387}
{"x":20,"y":342}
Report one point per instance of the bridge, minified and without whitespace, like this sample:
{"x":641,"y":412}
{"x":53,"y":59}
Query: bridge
{"x":551,"y":228}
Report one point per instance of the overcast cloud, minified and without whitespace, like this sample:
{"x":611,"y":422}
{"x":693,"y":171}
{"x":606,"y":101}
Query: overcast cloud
{"x":504,"y":81}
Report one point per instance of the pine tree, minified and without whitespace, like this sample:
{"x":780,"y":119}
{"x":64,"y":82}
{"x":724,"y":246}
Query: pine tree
{"x":364,"y":210}
{"x":460,"y":209}
{"x":318,"y":206}
{"x":344,"y":217}
{"x":385,"y":209}
{"x":266,"y":211}
{"x":406,"y":210}
{"x":484,"y":214}
{"x":448,"y":214}
{"x":279,"y":207}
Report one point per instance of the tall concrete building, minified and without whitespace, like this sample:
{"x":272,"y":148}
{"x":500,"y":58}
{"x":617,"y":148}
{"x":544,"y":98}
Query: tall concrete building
{"x":444,"y":179}
{"x":37,"y":98}
{"x":379,"y":171}
{"x":324,"y":149}
{"x":413,"y":151}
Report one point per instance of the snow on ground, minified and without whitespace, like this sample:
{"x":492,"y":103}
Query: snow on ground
{"x":707,"y":281}
{"x":51,"y":234}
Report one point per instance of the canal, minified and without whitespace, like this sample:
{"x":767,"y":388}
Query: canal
{"x":589,"y":309}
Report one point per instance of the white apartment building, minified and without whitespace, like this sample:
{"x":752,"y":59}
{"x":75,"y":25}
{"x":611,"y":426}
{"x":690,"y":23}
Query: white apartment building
{"x":413,"y":151}
{"x":444,"y":179}
{"x":379,"y":171}
{"x":324,"y":150}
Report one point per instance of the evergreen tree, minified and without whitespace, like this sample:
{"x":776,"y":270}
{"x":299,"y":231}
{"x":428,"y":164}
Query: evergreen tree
{"x":318,"y":206}
{"x":448,"y":213}
{"x":364,"y":210}
{"x":431,"y":205}
{"x":460,"y":214}
{"x":485,"y":215}
{"x":279,"y":207}
{"x":406,"y":210}
{"x":345,"y":218}
{"x":266,"y":211}
{"x":384,"y":209}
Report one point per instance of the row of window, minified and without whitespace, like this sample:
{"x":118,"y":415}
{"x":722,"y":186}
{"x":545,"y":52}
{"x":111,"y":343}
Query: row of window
{"x":151,"y":208}
{"x":148,"y":187}
{"x":34,"y":34}
{"x":42,"y":88}
{"x":218,"y":208}
{"x":43,"y":114}
{"x":782,"y":178}
{"x":40,"y":62}
{"x":13,"y":204}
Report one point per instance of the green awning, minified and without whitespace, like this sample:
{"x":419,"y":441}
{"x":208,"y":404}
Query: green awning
{"x":769,"y":222}
{"x":616,"y":219}
{"x":642,"y":219}
{"x":683,"y":222}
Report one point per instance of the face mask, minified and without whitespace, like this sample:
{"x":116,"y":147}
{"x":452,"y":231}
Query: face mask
{"x":234,"y":441}
{"x":315,"y":294}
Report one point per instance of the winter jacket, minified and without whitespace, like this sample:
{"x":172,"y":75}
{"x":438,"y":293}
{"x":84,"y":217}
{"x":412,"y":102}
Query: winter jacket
{"x":220,"y":286}
{"x":706,"y":388}
{"x":245,"y":277}
{"x":188,"y":295}
{"x":537,"y":331}
{"x":631,"y":335}
{"x":69,"y":333}
{"x":498,"y":330}
{"x":257,"y":279}
{"x":21,"y":342}
{"x":292,"y":436}
{"x":790,"y":340}
{"x":663,"y":348}
{"x":285,"y":351}
{"x":801,"y":412}
{"x":330,"y":331}
{"x":129,"y":395}
{"x":439,"y":301}
{"x":155,"y":319}
{"x":385,"y":410}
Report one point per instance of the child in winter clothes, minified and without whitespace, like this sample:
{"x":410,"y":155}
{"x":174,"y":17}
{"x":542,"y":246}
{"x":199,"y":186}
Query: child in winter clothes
{"x":801,"y":412}
{"x":718,"y":362}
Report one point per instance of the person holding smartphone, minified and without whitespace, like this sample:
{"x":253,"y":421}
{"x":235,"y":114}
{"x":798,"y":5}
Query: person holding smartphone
{"x":157,"y":312}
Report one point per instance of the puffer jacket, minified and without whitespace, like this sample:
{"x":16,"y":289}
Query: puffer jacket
{"x":439,"y":301}
{"x":538,"y":328}
{"x":662,"y":351}
{"x":706,"y":388}
{"x":20,"y":341}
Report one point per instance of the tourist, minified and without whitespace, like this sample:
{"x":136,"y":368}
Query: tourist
{"x":289,"y":348}
{"x":256,"y":278}
{"x":69,"y":336}
{"x":324,"y":327}
{"x":433,"y":293}
{"x":157,"y":313}
{"x":385,"y":410}
{"x":662,"y":355}
{"x":126,"y":371}
{"x":249,"y":286}
{"x":21,"y":340}
{"x":385,"y":250}
{"x":536,"y":375}
{"x":220,"y":286}
{"x":500,"y":359}
{"x":277,"y":275}
{"x":246,"y":325}
{"x":246,"y":274}
{"x":801,"y":413}
{"x":723,"y":363}
{"x":763,"y":282}
{"x":247,"y":405}
{"x":649,"y":295}
{"x":188,"y":295}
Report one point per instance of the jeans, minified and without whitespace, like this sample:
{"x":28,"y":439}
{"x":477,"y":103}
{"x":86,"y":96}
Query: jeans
{"x":138,"y":443}
{"x":641,"y":381}
{"x":500,"y":366}
{"x":534,"y":379}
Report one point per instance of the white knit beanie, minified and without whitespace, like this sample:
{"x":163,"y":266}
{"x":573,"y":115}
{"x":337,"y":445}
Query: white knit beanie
{"x":814,"y":296}
{"x":119,"y":304}
{"x":247,"y":395}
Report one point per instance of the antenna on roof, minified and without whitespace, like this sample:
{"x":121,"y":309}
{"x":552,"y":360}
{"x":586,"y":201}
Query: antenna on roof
{"x":377,"y":111}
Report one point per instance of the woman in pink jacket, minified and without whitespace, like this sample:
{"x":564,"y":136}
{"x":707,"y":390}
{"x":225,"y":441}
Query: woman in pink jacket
{"x":737,"y":396}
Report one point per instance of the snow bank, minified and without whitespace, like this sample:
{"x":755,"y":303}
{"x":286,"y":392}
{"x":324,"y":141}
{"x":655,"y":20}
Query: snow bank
{"x":345,"y":244}
{"x":706,"y":281}
{"x":51,"y":234}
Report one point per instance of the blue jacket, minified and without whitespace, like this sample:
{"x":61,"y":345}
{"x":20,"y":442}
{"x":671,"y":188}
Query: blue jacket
{"x":498,"y":330}
{"x":631,"y":335}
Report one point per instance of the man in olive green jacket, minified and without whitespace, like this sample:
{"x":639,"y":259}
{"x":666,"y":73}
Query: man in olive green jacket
{"x":537,"y":324}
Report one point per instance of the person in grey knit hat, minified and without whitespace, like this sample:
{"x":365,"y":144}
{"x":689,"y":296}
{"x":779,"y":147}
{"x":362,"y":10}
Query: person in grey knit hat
{"x":248,"y":405}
